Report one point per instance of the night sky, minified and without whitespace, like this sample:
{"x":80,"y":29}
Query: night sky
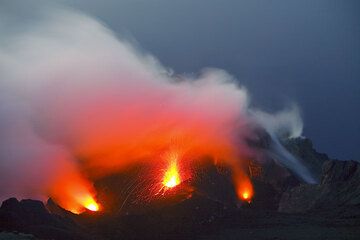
{"x":284,"y":52}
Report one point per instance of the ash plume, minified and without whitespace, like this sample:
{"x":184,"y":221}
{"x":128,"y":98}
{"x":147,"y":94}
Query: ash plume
{"x":78,"y":103}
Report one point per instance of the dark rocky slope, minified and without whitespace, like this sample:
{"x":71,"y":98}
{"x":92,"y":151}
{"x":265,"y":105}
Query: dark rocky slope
{"x":205,"y":206}
{"x":305,"y":152}
{"x":338,"y":191}
{"x":31,"y":216}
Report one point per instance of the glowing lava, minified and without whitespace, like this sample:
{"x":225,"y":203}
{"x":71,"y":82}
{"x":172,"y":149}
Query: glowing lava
{"x":245,"y":195}
{"x":90,"y":204}
{"x":83,"y":203}
{"x":92,"y":207}
{"x":243,"y":185}
{"x":172,"y":177}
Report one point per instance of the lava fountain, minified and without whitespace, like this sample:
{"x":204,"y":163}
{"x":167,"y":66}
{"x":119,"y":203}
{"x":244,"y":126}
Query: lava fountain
{"x":172,"y":176}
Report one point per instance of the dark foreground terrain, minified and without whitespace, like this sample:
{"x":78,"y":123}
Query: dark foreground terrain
{"x":240,"y":224}
{"x":205,"y":207}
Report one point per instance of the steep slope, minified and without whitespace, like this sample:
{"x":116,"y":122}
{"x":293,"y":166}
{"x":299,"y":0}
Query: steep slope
{"x":338,"y":191}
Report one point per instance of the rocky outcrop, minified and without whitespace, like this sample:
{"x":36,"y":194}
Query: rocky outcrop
{"x":340,"y":171}
{"x":31,"y":216}
{"x":16,"y":236}
{"x":302,"y":148}
{"x":205,"y":203}
{"x":338,"y":191}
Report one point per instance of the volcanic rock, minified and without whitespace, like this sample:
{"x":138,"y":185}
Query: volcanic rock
{"x":16,"y":236}
{"x":340,"y":171}
{"x":205,"y":205}
{"x":303,"y":149}
{"x":31,"y":216}
{"x":339,"y":191}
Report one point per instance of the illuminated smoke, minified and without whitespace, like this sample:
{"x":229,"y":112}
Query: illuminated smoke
{"x":77,"y":103}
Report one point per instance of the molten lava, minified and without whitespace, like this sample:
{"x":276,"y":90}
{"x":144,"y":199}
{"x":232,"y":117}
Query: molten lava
{"x":172,"y":177}
{"x":81,"y":204}
{"x":244,"y":187}
{"x":245,"y":195}
{"x":91,"y":204}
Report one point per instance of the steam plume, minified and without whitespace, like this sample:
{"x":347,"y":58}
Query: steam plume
{"x":78,"y":103}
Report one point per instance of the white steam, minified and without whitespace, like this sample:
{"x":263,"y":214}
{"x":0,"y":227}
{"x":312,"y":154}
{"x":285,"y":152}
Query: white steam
{"x":71,"y":89}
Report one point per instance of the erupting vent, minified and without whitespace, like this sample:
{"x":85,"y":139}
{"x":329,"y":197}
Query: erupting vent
{"x":172,"y":176}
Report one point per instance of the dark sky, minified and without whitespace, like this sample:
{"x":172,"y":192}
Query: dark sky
{"x":287,"y":51}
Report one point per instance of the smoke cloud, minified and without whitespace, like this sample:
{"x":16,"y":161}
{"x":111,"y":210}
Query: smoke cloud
{"x":79,"y":103}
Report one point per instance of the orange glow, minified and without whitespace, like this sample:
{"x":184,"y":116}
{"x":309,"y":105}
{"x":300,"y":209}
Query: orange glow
{"x":91,"y":204}
{"x":244,"y":187}
{"x":245,"y":195}
{"x":246,"y":191}
{"x":85,"y":202}
{"x":172,"y":177}
{"x":105,"y":120}
{"x":74,"y":193}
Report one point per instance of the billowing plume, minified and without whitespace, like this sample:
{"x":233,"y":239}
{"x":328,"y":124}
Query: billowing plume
{"x":78,"y":103}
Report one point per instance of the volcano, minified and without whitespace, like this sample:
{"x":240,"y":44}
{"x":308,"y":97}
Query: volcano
{"x":205,"y":205}
{"x":99,"y":139}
